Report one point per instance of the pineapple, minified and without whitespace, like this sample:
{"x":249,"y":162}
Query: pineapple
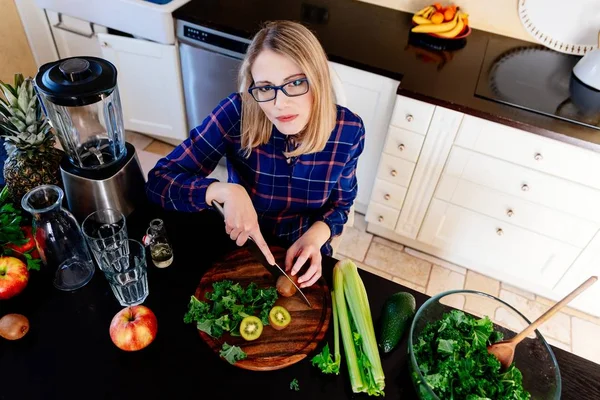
{"x":32,"y":158}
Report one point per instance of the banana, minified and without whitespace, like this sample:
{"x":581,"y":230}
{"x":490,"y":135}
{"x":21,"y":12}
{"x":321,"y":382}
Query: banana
{"x":460,"y":25}
{"x":437,"y":28}
{"x":424,"y":10}
{"x":429,"y":12}
{"x":417,"y":19}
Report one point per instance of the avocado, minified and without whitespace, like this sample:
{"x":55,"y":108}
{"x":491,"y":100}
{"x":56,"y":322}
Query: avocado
{"x":396,"y":316}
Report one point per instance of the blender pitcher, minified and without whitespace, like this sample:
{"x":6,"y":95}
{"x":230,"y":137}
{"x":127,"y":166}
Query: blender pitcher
{"x":100,"y":169}
{"x":81,"y":99}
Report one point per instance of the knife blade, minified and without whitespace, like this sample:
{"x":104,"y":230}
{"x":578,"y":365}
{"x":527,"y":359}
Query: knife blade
{"x":274,"y":269}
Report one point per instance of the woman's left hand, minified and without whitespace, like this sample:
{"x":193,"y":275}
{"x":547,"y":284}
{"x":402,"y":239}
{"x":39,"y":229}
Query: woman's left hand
{"x":308,"y":247}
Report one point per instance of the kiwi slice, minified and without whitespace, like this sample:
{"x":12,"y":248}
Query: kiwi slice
{"x":279,"y":317}
{"x":251,"y":327}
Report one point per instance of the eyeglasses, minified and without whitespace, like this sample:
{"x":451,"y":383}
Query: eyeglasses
{"x":294,"y":88}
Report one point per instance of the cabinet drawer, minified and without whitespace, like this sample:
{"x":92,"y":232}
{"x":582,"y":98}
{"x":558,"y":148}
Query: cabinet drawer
{"x":525,"y":183}
{"x":382,"y":215}
{"x":412,"y":114}
{"x":530,"y":150}
{"x":546,"y":221}
{"x":404,"y":144}
{"x":395,"y":170}
{"x":388,"y":194}
{"x":489,"y":244}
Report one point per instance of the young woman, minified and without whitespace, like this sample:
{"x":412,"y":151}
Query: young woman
{"x":291,"y":153}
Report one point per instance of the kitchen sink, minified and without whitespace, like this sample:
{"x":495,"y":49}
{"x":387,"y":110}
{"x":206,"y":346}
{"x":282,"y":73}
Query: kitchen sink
{"x":140,"y":18}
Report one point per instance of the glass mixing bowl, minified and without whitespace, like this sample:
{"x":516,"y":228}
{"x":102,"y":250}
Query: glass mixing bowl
{"x":533,"y":356}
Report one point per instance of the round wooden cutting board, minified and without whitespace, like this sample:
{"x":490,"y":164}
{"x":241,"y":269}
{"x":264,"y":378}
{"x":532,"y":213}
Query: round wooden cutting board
{"x":273,"y":349}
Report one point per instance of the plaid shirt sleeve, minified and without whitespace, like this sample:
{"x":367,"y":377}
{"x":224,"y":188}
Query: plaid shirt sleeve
{"x":179,"y":180}
{"x":343,"y":195}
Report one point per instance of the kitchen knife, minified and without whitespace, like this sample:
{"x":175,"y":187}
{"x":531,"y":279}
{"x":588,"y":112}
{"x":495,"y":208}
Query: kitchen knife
{"x":274,"y":269}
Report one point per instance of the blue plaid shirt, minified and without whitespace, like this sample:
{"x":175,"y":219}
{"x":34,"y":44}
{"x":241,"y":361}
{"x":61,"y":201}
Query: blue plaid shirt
{"x":288,"y":195}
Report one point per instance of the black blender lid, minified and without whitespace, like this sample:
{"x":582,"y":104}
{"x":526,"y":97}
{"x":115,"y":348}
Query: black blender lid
{"x":76,"y":81}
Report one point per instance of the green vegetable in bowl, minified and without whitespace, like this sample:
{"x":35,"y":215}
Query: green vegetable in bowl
{"x":452,"y":356}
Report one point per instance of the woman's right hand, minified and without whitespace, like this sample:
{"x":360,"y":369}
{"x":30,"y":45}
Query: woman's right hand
{"x":241,"y":220}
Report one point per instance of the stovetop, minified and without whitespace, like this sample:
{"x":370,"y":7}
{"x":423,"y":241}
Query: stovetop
{"x":534,"y":78}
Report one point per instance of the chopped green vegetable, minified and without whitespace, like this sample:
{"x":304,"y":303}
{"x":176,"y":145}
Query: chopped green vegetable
{"x":358,"y":333}
{"x":232,"y":353}
{"x":294,"y":385}
{"x":323,"y":360}
{"x":452,"y":356}
{"x":230,"y":304}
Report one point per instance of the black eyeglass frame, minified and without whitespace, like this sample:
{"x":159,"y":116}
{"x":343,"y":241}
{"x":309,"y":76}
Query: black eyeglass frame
{"x":280,"y":87}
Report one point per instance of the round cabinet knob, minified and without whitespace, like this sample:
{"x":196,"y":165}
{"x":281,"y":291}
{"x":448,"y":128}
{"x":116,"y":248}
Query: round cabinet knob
{"x":409,"y":117}
{"x":401,"y":147}
{"x":387,"y":196}
{"x":538,"y":157}
{"x":509,"y":212}
{"x":524,"y":187}
{"x":380,"y":219}
{"x":499,"y":232}
{"x":394,"y":172}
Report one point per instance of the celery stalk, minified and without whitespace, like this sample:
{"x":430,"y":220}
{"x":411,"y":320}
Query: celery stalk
{"x":360,"y":312}
{"x":354,"y":370}
{"x":336,"y":333}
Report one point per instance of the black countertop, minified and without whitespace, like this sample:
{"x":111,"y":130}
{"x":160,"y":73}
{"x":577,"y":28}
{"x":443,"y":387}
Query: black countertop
{"x":68,"y":354}
{"x":376,"y":39}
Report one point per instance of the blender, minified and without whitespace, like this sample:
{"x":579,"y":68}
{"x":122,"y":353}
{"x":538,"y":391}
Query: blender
{"x":99,"y":169}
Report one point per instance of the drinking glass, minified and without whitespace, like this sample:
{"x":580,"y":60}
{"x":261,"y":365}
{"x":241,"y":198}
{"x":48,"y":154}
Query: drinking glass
{"x":104,"y":229}
{"x":126,"y":271}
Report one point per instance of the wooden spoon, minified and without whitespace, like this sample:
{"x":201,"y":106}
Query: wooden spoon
{"x":505,"y":350}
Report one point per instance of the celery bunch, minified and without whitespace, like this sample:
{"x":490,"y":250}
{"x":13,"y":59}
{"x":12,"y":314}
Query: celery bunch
{"x":352,"y":312}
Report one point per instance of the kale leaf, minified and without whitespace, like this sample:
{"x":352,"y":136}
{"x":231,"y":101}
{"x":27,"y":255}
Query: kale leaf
{"x":452,"y":356}
{"x":228,"y":304}
{"x":232,"y":353}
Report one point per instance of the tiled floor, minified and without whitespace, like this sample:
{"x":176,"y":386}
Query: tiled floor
{"x":569,"y":329}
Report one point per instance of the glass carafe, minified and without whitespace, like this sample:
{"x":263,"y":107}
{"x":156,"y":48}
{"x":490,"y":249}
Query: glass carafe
{"x":58,"y":238}
{"x":81,"y":99}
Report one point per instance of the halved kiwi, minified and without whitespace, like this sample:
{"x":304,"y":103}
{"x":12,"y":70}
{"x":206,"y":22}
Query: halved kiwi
{"x":251,"y":327}
{"x":279,"y":317}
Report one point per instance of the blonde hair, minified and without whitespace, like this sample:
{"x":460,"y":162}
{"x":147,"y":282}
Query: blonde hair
{"x":295,"y":41}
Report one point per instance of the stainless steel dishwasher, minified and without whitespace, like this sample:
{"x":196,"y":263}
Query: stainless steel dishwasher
{"x":209,"y":64}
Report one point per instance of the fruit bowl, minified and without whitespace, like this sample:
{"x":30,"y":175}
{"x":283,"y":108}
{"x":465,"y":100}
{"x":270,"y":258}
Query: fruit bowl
{"x":447,"y":23}
{"x":533,"y":356}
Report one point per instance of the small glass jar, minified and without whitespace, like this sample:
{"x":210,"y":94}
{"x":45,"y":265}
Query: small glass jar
{"x":160,"y":248}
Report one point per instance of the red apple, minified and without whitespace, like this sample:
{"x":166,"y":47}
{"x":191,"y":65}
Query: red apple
{"x":133,"y":328}
{"x":13,"y":277}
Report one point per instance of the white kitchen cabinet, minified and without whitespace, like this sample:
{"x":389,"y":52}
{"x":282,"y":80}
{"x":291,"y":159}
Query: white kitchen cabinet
{"x":149,"y":79}
{"x":495,"y":246}
{"x":506,"y":203}
{"x":439,"y":138}
{"x":587,"y":264}
{"x":371,"y":97}
{"x":74,"y":37}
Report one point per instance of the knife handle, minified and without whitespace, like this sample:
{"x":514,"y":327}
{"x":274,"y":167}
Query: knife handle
{"x":219,"y":208}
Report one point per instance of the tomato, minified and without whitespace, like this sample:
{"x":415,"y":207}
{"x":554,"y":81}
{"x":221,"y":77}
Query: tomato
{"x":27,"y":246}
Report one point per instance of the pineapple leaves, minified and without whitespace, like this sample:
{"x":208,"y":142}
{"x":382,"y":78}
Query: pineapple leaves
{"x":10,"y":94}
{"x":23,"y":99}
{"x":22,"y":121}
{"x":8,"y":129}
{"x":18,"y":80}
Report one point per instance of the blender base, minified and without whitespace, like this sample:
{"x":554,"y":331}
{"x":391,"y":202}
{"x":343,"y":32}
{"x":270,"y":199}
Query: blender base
{"x":120,"y":186}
